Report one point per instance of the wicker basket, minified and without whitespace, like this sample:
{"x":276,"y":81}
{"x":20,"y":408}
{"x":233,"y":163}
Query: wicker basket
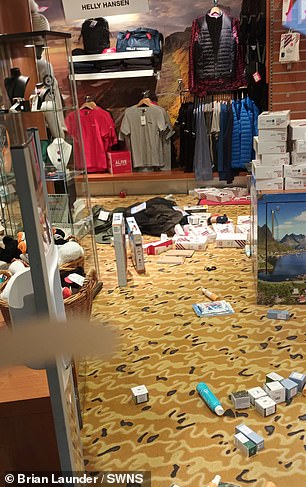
{"x":71,"y":266}
{"x":77,"y":305}
{"x":3,"y":303}
{"x":80,"y":304}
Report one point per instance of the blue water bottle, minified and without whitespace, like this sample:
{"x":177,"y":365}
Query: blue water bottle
{"x":212,"y":402}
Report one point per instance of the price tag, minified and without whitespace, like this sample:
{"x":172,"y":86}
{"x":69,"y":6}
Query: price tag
{"x":138,"y":208}
{"x":76,"y":278}
{"x":143,"y":120}
{"x":103,"y":215}
{"x":257,"y":77}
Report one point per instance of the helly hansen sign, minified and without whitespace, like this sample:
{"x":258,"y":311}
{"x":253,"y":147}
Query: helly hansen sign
{"x":85,"y":9}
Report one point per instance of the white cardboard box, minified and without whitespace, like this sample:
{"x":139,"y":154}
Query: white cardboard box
{"x":299,"y":146}
{"x":191,"y":243}
{"x":135,"y":238}
{"x":265,"y":406}
{"x":298,"y":158}
{"x":272,"y":147}
{"x":294,"y":183}
{"x":277,"y":120}
{"x":295,"y":171}
{"x":265,"y":184}
{"x":274,"y":135}
{"x":241,"y":219}
{"x":266,"y":172}
{"x":255,"y":393}
{"x":275,"y":159}
{"x":140,"y":394}
{"x":244,"y":228}
{"x":232,"y":240}
{"x":298,"y":129}
{"x":118,"y":226}
{"x":276,"y":391}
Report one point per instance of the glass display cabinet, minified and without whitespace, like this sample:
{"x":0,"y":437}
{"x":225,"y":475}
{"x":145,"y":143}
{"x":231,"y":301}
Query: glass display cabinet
{"x":37,"y":89}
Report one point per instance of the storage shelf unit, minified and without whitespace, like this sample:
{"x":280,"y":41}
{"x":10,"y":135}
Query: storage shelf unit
{"x":141,"y":73}
{"x":112,"y":56}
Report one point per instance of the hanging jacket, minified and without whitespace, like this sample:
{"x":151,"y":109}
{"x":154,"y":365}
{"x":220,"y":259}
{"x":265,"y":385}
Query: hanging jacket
{"x":211,"y":63}
{"x":236,"y":136}
{"x":246,"y":135}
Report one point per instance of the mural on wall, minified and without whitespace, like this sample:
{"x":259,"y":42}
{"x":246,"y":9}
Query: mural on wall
{"x":173,"y":20}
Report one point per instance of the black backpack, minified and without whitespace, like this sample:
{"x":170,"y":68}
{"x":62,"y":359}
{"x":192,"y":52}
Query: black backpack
{"x":95,"y":34}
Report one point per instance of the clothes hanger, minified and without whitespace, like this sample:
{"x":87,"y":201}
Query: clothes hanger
{"x":88,"y":103}
{"x":215,"y":11}
{"x":144,"y":101}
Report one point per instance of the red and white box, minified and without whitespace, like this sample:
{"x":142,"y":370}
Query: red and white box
{"x":191,"y":243}
{"x":232,"y":240}
{"x":156,"y":248}
{"x":119,"y":162}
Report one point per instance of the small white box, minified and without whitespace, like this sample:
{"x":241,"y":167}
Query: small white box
{"x":249,"y":433}
{"x":300,"y":379}
{"x":140,"y":394}
{"x":295,"y":183}
{"x":266,"y":184}
{"x":266,"y":172}
{"x":135,"y":239}
{"x":231,"y":240}
{"x":245,"y":444}
{"x":291,"y":388}
{"x":243,"y":219}
{"x":277,"y":135}
{"x":276,"y":391}
{"x":118,"y":227}
{"x":299,"y":146}
{"x":244,"y":228}
{"x":277,"y":120}
{"x":298,"y":129}
{"x":256,"y":393}
{"x":265,"y":406}
{"x":295,"y":171}
{"x":223,"y":227}
{"x":298,"y":158}
{"x":273,"y":377}
{"x":275,"y":159}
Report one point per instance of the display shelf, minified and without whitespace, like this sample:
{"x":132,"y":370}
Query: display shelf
{"x":39,"y":66}
{"x":141,"y":73}
{"x":112,"y":56}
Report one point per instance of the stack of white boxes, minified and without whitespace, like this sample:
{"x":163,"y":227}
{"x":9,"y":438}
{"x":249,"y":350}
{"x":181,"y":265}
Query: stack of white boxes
{"x":295,"y":175}
{"x":271,"y":150}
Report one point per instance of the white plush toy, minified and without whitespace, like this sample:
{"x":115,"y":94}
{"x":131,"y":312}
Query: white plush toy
{"x":16,"y":267}
{"x":68,"y":252}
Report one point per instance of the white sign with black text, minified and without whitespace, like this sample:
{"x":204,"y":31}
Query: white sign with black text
{"x":85,"y":9}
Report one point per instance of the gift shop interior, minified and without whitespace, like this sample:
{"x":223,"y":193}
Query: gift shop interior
{"x":153,"y":242}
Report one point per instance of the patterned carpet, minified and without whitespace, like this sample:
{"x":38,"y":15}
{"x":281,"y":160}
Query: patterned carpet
{"x":165,"y":346}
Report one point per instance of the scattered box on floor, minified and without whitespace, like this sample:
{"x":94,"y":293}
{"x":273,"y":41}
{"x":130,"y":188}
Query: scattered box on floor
{"x":294,"y":171}
{"x":239,"y":191}
{"x":180,"y":253}
{"x":202,"y":231}
{"x":118,"y":226}
{"x":245,"y":444}
{"x":291,"y":388}
{"x":156,"y":248}
{"x":231,"y":240}
{"x":297,"y":129}
{"x":300,"y":379}
{"x":191,"y":243}
{"x":219,"y":196}
{"x":266,"y":172}
{"x":269,"y":184}
{"x":224,"y":227}
{"x":265,"y":406}
{"x":249,"y":433}
{"x":135,"y":239}
{"x":298,"y":158}
{"x":171,"y":259}
{"x":274,"y":159}
{"x":276,"y":391}
{"x":256,"y":393}
{"x":241,"y":399}
{"x":278,"y":314}
{"x":299,"y":146}
{"x":277,"y":135}
{"x":273,"y":377}
{"x":140,"y":394}
{"x":244,"y":228}
{"x":295,"y":183}
{"x":274,"y":120}
{"x":119,"y":162}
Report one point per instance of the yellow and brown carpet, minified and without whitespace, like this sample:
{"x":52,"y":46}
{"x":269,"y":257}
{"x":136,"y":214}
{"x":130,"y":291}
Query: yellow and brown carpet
{"x":166,"y":347}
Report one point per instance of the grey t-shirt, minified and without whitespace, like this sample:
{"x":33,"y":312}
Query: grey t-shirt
{"x":144,"y":127}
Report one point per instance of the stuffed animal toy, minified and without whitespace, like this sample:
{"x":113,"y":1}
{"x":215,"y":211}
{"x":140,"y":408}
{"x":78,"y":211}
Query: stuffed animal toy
{"x":69,"y":251}
{"x":9,"y":250}
{"x":59,"y":236}
{"x":16,"y":266}
{"x":22,"y":243}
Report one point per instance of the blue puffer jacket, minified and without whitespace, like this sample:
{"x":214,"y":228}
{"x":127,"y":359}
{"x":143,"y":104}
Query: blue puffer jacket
{"x":236,"y":135}
{"x":246,"y":130}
